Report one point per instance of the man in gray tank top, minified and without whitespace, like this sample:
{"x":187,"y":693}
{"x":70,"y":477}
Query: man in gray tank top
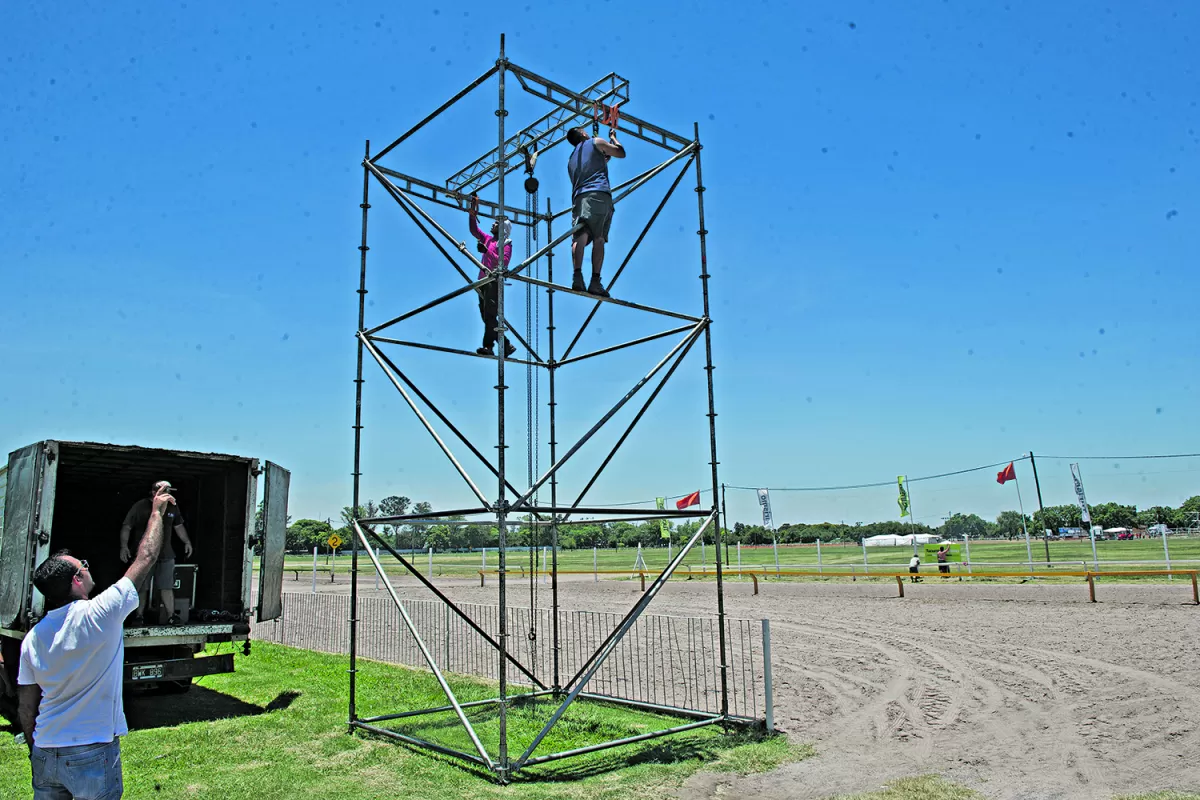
{"x":592,"y":197}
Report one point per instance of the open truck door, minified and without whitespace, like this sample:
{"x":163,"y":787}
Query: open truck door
{"x":270,"y":571}
{"x":28,"y":519}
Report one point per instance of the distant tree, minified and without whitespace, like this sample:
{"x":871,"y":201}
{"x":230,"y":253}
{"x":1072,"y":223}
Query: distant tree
{"x":1113,"y":515}
{"x":961,"y":525}
{"x":393,"y":506}
{"x":1008,"y":525}
{"x":306,"y":534}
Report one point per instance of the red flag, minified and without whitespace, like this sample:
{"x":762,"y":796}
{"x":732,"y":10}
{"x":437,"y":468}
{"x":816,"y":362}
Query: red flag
{"x":692,"y":499}
{"x":1006,"y":474}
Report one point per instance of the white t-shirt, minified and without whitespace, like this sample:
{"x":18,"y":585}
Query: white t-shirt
{"x":76,"y":655}
{"x":914,"y":562}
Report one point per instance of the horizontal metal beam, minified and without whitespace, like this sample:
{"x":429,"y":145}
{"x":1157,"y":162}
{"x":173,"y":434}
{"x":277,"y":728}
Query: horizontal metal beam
{"x":562,"y":96}
{"x":641,"y":737}
{"x":456,"y":200}
{"x":615,"y":347}
{"x":454,"y":350}
{"x":636,"y":306}
{"x":512,"y":698}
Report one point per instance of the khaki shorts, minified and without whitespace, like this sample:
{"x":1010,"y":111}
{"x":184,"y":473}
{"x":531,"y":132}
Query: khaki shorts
{"x":595,"y":210}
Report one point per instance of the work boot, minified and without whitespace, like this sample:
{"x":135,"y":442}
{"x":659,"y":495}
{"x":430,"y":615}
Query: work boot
{"x":596,"y":287}
{"x":485,"y":351}
{"x":508,"y":349}
{"x":577,"y":282}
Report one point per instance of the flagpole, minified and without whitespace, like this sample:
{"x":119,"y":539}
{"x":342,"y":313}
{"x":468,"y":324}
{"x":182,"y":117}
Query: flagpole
{"x":1028,"y":547}
{"x":912,"y":521}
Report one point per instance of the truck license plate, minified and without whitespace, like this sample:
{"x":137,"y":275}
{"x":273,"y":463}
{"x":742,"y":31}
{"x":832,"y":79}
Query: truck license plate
{"x":146,"y":672}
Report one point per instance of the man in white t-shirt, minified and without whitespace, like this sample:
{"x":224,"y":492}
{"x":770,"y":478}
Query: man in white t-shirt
{"x":72,"y":668}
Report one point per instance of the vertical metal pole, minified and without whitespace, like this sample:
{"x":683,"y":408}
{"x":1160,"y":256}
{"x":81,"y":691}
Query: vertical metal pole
{"x":483,"y":558}
{"x":703,"y":556}
{"x":1024,"y":527}
{"x":863,"y":542}
{"x":912,"y":520}
{"x":377,"y":572}
{"x":712,"y":423}
{"x":314,"y":586}
{"x":431,"y":563}
{"x":552,"y":368}
{"x":768,"y":684}
{"x":1166,"y":551}
{"x":501,"y":501}
{"x":739,"y":557}
{"x":819,"y":555}
{"x":358,"y":384}
{"x":967,"y":548}
{"x":725,"y":516}
{"x":595,"y":573}
{"x":1038,"y":486}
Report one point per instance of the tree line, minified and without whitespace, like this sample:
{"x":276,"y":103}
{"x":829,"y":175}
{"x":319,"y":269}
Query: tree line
{"x":305,"y":534}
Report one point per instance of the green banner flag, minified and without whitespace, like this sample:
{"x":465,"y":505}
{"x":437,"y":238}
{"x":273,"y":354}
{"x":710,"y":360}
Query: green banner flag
{"x":903,"y":498}
{"x":664,"y":527}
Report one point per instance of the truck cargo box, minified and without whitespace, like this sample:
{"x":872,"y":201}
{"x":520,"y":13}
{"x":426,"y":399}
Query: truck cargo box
{"x":75,"y":495}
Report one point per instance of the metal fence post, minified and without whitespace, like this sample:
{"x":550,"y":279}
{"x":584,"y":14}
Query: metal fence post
{"x":1166,"y":552}
{"x":595,"y":572}
{"x":431,"y":562}
{"x":769,"y":704}
{"x":819,"y":569}
{"x":314,"y":587}
{"x":377,"y":571}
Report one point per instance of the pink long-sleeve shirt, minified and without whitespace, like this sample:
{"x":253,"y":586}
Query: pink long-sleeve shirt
{"x":491,"y":255}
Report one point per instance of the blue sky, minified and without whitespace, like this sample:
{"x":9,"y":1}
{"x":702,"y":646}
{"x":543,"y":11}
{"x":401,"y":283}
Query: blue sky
{"x":941,"y":235}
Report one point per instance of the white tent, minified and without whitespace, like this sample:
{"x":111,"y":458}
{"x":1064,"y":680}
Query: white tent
{"x":891,"y":540}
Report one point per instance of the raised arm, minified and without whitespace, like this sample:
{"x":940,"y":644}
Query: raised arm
{"x":152,"y":542}
{"x":473,"y":218}
{"x":612,"y":147}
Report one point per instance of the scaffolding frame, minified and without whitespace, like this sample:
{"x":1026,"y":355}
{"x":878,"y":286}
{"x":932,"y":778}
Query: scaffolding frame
{"x":569,"y":109}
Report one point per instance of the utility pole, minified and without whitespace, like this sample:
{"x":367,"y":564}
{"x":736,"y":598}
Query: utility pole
{"x":1045,"y":536}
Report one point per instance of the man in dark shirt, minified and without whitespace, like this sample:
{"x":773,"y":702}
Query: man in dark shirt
{"x":592,"y":197}
{"x":164,"y":570}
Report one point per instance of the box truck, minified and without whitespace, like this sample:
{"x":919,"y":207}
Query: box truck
{"x":57,"y":495}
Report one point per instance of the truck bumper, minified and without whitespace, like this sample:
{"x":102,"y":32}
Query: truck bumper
{"x":177,"y":669}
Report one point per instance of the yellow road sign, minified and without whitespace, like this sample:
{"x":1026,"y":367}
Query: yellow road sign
{"x":335,"y":541}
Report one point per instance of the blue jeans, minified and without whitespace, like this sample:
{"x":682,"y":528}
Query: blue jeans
{"x":85,"y":771}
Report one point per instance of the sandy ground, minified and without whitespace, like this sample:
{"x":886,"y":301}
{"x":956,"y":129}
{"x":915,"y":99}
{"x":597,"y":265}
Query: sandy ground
{"x":1018,"y":691}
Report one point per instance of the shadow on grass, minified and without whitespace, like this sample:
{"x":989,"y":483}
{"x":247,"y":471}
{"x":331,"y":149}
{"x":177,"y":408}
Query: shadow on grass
{"x":153,"y":709}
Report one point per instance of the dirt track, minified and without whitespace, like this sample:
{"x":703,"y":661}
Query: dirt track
{"x":1018,"y":691}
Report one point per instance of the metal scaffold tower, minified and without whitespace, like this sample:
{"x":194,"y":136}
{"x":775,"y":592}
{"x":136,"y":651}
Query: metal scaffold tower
{"x":513,"y":503}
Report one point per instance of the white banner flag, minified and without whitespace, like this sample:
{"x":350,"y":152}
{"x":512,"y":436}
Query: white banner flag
{"x":764,"y":500}
{"x":1083,"y":506}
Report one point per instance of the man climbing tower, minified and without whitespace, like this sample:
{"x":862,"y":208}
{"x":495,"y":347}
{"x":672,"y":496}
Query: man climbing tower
{"x":489,"y":246}
{"x":592,"y":198}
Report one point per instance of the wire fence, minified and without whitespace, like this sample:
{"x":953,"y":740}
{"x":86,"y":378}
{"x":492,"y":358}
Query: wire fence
{"x":667,"y":661}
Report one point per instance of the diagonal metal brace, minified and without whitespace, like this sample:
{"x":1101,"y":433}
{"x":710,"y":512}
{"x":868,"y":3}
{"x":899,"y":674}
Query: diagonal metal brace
{"x":429,"y":659}
{"x":449,"y":604}
{"x":601,"y":655}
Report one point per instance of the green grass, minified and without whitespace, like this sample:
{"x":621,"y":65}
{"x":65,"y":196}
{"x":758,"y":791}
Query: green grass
{"x":285,"y":736}
{"x":924,"y":787}
{"x":836,"y":557}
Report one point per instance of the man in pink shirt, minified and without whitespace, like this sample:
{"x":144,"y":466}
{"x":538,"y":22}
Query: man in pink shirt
{"x":489,"y":246}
